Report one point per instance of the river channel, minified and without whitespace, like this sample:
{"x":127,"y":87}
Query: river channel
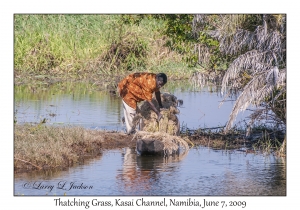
{"x":200,"y":171}
{"x":78,"y":105}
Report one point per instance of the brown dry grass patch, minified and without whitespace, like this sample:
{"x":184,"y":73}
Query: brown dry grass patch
{"x":39,"y":147}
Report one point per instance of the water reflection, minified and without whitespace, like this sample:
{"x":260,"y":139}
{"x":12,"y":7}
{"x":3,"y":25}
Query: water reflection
{"x":79,"y":104}
{"x":56,"y":173}
{"x":75,"y":105}
{"x":140,"y":173}
{"x":202,"y":171}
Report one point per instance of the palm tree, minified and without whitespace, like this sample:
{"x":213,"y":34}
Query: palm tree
{"x":257,"y":44}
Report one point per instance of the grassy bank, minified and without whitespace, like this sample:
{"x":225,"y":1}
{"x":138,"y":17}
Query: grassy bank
{"x":38,"y":147}
{"x":97,"y":48}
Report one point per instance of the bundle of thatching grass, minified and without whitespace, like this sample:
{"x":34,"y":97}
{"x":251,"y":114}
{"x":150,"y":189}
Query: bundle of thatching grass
{"x":168,"y":144}
{"x":147,"y":119}
{"x":161,"y":137}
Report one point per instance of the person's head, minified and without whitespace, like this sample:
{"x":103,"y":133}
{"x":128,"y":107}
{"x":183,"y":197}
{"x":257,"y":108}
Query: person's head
{"x":161,"y":80}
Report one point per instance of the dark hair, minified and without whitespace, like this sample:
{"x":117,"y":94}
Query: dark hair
{"x":164,"y":76}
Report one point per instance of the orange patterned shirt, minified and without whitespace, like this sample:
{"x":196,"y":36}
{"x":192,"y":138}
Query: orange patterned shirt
{"x":137,"y":87}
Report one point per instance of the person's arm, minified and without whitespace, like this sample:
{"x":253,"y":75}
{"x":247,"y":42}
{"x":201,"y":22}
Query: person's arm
{"x":158,"y":98}
{"x":159,"y":116}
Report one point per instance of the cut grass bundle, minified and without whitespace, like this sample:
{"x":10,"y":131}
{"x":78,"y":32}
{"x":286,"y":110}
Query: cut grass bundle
{"x":147,"y":118}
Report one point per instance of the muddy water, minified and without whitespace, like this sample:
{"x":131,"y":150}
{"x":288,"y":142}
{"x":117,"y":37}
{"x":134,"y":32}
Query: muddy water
{"x":202,"y":171}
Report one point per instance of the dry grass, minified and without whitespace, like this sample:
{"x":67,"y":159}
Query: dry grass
{"x":167,"y":129}
{"x":45,"y":147}
{"x":38,"y":147}
{"x":148,"y":118}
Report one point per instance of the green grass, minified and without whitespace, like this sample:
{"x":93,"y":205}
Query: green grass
{"x":67,"y":37}
{"x":94,"y":47}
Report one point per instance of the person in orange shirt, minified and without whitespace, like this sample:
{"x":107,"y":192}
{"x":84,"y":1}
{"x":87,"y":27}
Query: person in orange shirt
{"x":139,"y":87}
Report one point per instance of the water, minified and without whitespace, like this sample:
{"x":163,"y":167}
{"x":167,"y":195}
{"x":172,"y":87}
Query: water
{"x":201,"y":171}
{"x":98,"y":110}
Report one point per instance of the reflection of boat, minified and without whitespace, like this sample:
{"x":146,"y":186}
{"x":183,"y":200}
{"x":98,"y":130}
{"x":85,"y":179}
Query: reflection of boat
{"x":150,"y":147}
{"x":159,"y":162}
{"x":149,"y":162}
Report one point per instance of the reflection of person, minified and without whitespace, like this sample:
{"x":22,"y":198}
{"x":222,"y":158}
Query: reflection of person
{"x":140,"y":175}
{"x":134,"y":180}
{"x":139,"y":87}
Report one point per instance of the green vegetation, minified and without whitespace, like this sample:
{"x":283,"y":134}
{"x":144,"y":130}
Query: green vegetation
{"x":51,"y":48}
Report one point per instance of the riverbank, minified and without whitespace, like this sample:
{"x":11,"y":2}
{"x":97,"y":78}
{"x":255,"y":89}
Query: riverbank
{"x":100,"y":82}
{"x":38,"y":147}
{"x":41,"y":147}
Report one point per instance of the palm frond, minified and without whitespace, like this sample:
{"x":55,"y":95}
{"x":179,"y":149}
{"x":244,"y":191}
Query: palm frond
{"x":233,"y":38}
{"x":257,"y":90}
{"x":252,"y":61}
